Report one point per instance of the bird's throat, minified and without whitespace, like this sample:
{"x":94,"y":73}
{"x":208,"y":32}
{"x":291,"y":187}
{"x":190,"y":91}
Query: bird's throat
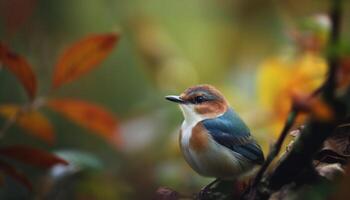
{"x":190,"y":115}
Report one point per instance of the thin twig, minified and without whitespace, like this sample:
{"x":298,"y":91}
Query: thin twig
{"x":277,"y":146}
{"x":10,"y":121}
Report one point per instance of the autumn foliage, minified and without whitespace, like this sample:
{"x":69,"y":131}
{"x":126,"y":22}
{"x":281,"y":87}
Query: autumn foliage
{"x":77,"y":60}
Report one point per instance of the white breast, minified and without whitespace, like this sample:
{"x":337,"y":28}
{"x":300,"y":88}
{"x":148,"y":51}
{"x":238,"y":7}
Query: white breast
{"x":190,"y":156}
{"x":191,"y":119}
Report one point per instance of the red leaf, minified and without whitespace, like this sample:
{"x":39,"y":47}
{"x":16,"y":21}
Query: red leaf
{"x":343,"y":74}
{"x":33,"y":121}
{"x":32,"y":156}
{"x":82,"y":57}
{"x":19,"y":66}
{"x":16,"y":175}
{"x":90,"y":116}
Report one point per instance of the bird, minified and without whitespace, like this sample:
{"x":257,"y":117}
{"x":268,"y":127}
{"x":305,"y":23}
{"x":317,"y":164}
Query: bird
{"x":213,"y":139}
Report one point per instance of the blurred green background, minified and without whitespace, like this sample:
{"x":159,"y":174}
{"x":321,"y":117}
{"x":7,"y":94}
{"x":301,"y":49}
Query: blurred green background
{"x":165,"y":47}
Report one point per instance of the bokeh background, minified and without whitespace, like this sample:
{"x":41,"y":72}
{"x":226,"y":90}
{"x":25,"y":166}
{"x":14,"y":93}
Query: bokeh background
{"x":257,"y":53}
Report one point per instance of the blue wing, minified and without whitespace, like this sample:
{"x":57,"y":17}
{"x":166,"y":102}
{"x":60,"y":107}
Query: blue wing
{"x":230,"y":131}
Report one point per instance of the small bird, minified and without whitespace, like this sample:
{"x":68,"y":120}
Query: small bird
{"x":213,"y":138}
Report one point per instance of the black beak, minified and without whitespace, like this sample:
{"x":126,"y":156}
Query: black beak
{"x":174,"y":98}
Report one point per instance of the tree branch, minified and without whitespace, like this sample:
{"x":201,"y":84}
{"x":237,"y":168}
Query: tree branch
{"x":316,"y":131}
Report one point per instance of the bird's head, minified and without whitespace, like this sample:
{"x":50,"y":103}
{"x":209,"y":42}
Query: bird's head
{"x":200,"y":102}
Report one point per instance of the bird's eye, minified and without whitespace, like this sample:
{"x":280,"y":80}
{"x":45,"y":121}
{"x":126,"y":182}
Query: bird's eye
{"x":199,"y":99}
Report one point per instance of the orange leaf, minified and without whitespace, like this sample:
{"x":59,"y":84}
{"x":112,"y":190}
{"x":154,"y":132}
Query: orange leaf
{"x":32,"y":121}
{"x":321,"y":110}
{"x":32,"y":156}
{"x":89,"y":116}
{"x":82,"y":57}
{"x":19,"y":66}
{"x":16,"y":175}
{"x":313,"y":105}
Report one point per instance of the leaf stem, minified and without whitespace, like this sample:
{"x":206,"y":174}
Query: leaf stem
{"x":32,"y":105}
{"x":9,"y":122}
